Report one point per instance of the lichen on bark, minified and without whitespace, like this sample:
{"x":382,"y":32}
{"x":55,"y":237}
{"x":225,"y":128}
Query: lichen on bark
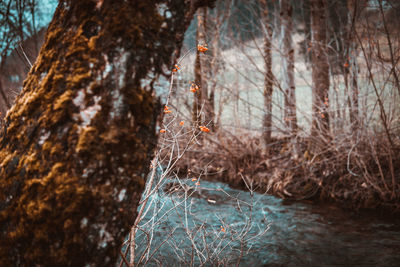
{"x":76,"y":145}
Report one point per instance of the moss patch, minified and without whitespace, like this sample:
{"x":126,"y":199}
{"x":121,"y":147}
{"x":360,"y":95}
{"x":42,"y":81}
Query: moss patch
{"x":58,"y":176}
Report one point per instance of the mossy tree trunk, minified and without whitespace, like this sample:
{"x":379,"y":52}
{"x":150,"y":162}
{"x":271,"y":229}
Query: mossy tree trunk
{"x":76,"y":146}
{"x":320,"y":69}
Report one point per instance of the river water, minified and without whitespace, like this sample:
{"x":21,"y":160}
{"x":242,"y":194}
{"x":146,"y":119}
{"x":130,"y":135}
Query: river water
{"x":212,"y":224}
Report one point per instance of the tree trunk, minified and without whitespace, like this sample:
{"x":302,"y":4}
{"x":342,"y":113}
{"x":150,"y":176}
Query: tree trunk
{"x":76,"y":146}
{"x":320,"y":69}
{"x":201,"y":101}
{"x":5,"y":105}
{"x":220,"y":15}
{"x":288,"y":66}
{"x":198,"y":95}
{"x":351,"y":63}
{"x":268,"y":77}
{"x":307,"y":28}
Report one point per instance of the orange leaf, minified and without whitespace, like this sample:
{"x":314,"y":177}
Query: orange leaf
{"x":176,"y":68}
{"x":202,"y":48}
{"x":204,"y":129}
{"x":181,"y":123}
{"x":346,"y":65}
{"x":198,"y":183}
{"x":194,"y":179}
{"x":194,"y":87}
{"x":162,"y":131}
{"x":166,"y":110}
{"x":222,"y":229}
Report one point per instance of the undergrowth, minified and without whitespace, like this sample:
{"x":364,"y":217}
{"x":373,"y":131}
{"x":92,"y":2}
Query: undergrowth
{"x":357,"y":173}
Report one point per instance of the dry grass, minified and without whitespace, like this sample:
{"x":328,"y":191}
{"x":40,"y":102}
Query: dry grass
{"x":356,"y":171}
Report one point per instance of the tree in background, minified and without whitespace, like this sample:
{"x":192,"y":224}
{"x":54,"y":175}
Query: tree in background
{"x":200,"y":75}
{"x":351,"y":64}
{"x":320,"y":69}
{"x":269,"y":76}
{"x":204,"y":96}
{"x":23,"y":24}
{"x":288,"y":66}
{"x":17,"y":21}
{"x":76,"y":147}
{"x":218,"y":17}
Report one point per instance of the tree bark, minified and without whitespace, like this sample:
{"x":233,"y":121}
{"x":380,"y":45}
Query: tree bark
{"x":320,"y":70}
{"x":202,"y":99}
{"x":218,"y":18}
{"x":268,"y":77}
{"x":6,"y":103}
{"x":288,"y":66}
{"x":352,"y":64}
{"x":198,"y":95}
{"x":76,"y":146}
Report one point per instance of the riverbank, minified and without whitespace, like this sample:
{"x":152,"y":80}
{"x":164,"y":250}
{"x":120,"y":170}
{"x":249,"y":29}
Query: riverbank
{"x":358,"y":177}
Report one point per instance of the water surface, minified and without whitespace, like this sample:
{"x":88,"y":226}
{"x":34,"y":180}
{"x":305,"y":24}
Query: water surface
{"x":213,"y":224}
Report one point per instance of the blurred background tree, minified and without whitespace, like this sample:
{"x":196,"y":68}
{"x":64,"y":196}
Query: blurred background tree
{"x":23,"y":24}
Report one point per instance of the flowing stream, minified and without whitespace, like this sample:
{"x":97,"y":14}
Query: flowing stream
{"x":212,"y":224}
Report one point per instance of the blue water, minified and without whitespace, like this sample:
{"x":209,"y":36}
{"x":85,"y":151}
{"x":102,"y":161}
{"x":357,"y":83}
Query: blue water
{"x":215,"y":225}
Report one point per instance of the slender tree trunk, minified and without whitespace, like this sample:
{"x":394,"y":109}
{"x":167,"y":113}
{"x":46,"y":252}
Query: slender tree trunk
{"x":307,"y":28}
{"x":76,"y":146}
{"x":211,"y":109}
{"x":351,"y":63}
{"x":355,"y":114}
{"x":320,"y":69}
{"x":6,"y":103}
{"x":199,"y":78}
{"x":215,"y":63}
{"x":236,"y":102}
{"x":268,"y":77}
{"x":203,"y":102}
{"x":198,"y":95}
{"x":220,"y":15}
{"x":288,"y":66}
